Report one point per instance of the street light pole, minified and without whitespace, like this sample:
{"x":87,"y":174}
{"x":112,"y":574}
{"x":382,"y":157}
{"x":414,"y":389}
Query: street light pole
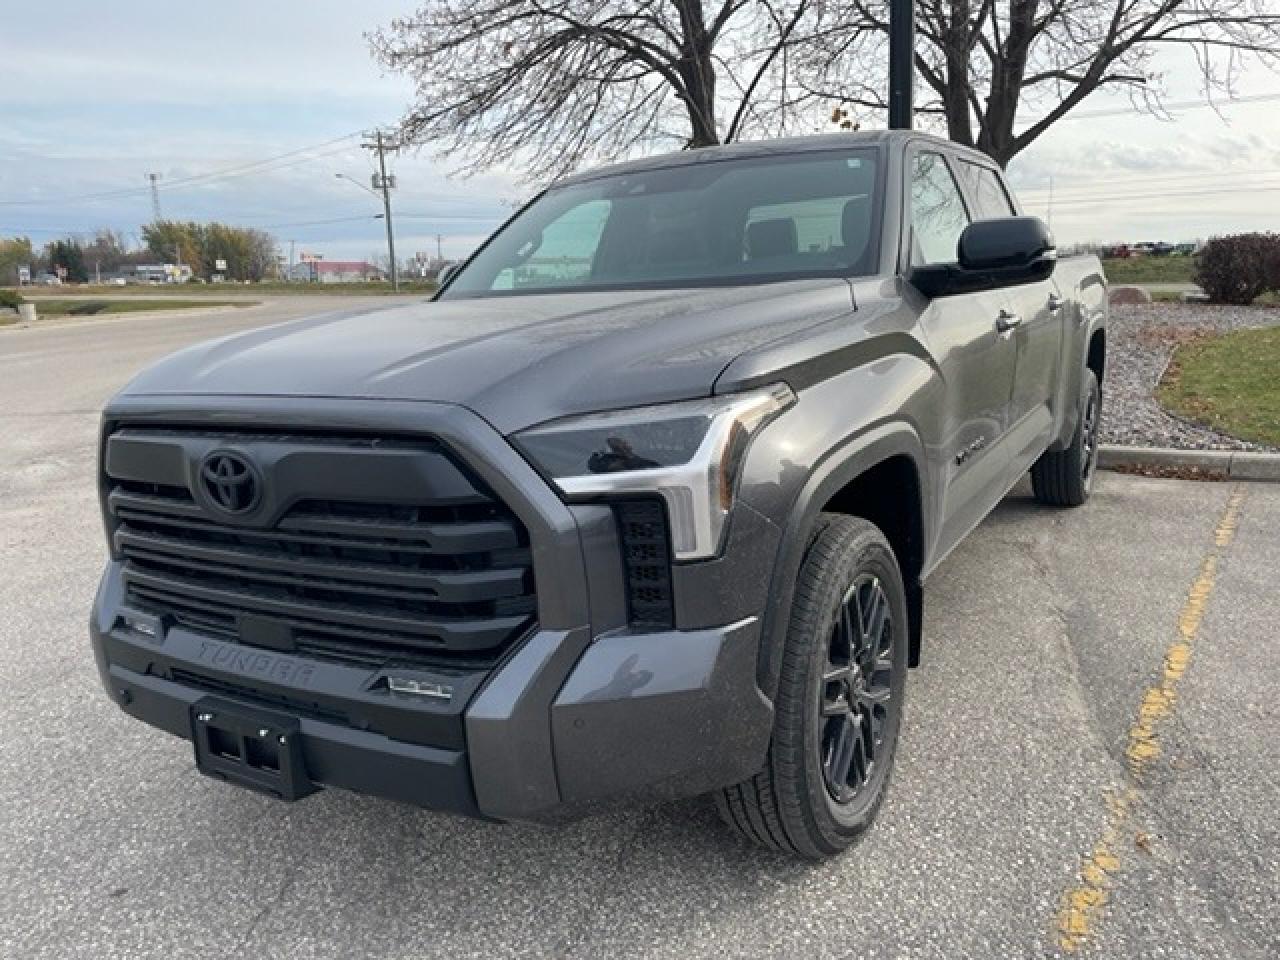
{"x":902,"y":33}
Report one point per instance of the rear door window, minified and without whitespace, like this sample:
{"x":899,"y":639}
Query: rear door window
{"x":990,"y":200}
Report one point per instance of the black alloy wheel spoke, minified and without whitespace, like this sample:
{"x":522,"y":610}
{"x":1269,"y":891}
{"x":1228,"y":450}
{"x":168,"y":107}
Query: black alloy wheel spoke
{"x":856,"y":688}
{"x":1090,"y":438}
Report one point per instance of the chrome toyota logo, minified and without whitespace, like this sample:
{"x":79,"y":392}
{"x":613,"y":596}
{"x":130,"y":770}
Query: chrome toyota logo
{"x":230,"y":481}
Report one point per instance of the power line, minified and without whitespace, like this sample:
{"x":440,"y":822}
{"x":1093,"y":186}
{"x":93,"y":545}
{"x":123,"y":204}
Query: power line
{"x":1136,"y":175}
{"x":72,"y":232}
{"x":1176,"y":105}
{"x":317,"y":223}
{"x":1117,"y":198}
{"x":266,"y":164}
{"x":488,"y":218}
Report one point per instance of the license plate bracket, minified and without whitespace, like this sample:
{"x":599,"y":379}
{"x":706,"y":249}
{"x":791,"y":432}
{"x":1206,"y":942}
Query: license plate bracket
{"x":250,"y":747}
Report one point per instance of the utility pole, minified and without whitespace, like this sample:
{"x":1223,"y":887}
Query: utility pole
{"x":156,"y":216}
{"x":384,"y":183}
{"x":439,"y":246}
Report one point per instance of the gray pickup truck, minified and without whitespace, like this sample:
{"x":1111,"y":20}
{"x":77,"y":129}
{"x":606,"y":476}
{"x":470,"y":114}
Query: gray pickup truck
{"x":641,"y":506}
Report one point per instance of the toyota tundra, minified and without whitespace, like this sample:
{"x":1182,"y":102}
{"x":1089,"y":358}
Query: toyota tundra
{"x":642,"y":504}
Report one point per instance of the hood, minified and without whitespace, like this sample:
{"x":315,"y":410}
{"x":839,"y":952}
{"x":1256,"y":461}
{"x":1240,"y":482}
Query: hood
{"x":516,"y":361}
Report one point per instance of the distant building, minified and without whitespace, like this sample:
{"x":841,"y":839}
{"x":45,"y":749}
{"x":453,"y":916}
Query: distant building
{"x":427,"y":267}
{"x":157,"y":273}
{"x":336,"y":271}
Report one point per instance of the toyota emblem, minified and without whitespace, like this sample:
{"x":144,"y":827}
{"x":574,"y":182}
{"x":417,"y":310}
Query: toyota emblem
{"x":230,"y":481}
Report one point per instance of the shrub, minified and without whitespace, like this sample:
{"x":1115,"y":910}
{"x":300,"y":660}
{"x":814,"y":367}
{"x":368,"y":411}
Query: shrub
{"x":1240,"y":268}
{"x":10,"y":299}
{"x":88,"y":308}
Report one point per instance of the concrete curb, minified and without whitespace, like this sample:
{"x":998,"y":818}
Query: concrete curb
{"x":1232,"y":464}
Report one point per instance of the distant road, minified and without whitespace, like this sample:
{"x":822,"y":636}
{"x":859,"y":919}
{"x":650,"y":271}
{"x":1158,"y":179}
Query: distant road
{"x":92,"y":357}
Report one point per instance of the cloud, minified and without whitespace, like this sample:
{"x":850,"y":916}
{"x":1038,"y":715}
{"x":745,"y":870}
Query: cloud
{"x":117,"y":91}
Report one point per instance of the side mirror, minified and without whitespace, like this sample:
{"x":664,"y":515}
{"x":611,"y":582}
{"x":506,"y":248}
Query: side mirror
{"x":992,"y":254}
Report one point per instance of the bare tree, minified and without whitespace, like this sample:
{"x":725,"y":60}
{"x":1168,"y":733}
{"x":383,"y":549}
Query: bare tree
{"x":552,"y":84}
{"x":981,"y":61}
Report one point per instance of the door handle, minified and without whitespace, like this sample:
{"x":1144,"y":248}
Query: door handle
{"x":1007,"y":321}
{"x":1055,"y":303}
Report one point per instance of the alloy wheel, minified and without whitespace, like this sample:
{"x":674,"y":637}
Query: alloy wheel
{"x":1089,"y":438}
{"x":857,"y":689}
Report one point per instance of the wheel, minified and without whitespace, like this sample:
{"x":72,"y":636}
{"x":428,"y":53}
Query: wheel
{"x":1065,"y":478}
{"x":839,"y":703}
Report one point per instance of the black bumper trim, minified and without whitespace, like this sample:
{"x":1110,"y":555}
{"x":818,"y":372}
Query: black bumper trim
{"x":334,"y":756}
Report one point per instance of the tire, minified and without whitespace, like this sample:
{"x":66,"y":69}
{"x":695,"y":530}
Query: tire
{"x":796,"y":803}
{"x":1065,"y":478}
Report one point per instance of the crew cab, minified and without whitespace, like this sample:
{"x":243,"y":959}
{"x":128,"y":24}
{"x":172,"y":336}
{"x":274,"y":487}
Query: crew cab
{"x":642,"y":504}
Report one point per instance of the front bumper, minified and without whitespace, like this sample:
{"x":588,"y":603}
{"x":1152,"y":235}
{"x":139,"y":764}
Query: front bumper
{"x":582,"y":713}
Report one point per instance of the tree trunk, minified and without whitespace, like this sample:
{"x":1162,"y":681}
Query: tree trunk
{"x":697,"y":72}
{"x":955,"y":101}
{"x":996,"y":138}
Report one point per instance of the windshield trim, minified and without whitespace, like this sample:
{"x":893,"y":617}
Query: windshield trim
{"x":845,"y":272}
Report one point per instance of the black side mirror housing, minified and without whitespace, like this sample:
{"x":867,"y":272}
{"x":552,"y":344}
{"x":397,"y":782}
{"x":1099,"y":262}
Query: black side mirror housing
{"x":992,"y":254}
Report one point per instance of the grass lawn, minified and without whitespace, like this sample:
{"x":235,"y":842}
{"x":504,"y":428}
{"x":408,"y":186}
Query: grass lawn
{"x":1229,"y":383}
{"x":1172,"y":296}
{"x":1150,"y":270}
{"x":93,"y":308}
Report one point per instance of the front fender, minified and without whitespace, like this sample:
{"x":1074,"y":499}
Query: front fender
{"x":840,"y":467}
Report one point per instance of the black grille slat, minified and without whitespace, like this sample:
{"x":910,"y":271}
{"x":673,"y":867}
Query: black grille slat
{"x":122,"y":499}
{"x":347,"y":643}
{"x":445,"y":538}
{"x":469,"y":634}
{"x":375,"y":579}
{"x":466,"y":537}
{"x":361,"y":582}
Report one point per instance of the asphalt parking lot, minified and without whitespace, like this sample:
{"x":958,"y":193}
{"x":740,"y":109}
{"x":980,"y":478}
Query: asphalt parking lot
{"x":1092,"y":752}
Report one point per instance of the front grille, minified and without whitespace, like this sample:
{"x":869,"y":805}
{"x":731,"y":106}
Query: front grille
{"x":434,"y":569}
{"x":646,"y":549}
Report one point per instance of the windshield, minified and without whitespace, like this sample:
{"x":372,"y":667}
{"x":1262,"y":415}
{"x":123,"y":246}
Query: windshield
{"x":725,"y":221}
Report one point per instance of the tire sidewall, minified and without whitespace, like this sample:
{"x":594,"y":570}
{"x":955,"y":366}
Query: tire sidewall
{"x":1090,"y":391}
{"x":867,"y":552}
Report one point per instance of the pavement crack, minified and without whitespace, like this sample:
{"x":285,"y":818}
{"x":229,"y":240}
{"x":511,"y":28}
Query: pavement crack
{"x":265,"y":910}
{"x":1082,"y":905}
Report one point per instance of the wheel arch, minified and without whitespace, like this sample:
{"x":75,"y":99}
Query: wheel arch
{"x":880,"y":477}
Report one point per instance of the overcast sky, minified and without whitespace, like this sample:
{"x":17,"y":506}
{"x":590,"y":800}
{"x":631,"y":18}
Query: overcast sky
{"x":94,"y":98}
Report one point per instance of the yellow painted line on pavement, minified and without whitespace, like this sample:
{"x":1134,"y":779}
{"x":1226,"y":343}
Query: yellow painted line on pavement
{"x":1083,"y":903}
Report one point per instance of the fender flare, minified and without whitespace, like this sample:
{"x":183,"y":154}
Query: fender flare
{"x":841,"y":466}
{"x":1091,"y":325}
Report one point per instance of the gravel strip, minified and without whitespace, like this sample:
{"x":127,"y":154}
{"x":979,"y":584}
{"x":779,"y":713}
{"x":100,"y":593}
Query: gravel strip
{"x":1140,"y":341}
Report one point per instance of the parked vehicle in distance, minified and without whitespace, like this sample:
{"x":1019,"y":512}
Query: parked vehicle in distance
{"x":643,"y":505}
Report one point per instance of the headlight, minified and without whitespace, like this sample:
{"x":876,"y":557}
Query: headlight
{"x":688,"y":453}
